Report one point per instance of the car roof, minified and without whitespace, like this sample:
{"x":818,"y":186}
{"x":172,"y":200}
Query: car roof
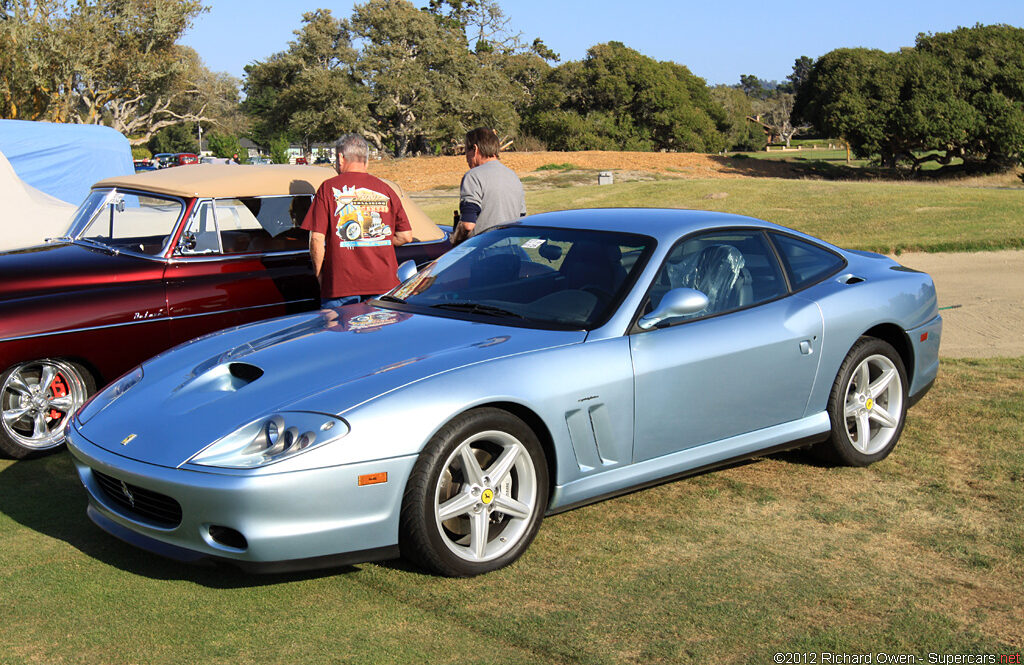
{"x":226,"y":180}
{"x":661,"y":223}
{"x":237,"y":180}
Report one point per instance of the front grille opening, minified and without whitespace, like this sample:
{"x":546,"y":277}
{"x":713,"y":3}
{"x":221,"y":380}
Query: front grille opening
{"x":138,"y":503}
{"x":228,"y":537}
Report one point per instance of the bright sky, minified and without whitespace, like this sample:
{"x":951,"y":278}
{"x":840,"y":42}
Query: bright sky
{"x":716,"y":40}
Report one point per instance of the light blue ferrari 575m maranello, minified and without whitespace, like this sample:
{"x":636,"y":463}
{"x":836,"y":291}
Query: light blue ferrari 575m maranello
{"x":543,"y":365}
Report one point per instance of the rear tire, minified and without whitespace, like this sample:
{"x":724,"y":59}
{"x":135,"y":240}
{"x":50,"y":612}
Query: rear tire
{"x":867,"y":406}
{"x":37,"y":400}
{"x":476,"y":495}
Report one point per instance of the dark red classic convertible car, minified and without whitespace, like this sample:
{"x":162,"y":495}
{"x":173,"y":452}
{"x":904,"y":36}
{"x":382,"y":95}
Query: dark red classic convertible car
{"x":152,"y":260}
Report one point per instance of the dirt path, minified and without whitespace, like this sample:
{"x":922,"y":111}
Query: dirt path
{"x":985,"y":294}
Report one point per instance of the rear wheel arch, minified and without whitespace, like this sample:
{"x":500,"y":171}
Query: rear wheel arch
{"x":897,"y":339}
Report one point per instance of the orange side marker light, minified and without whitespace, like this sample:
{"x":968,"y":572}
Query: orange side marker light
{"x":373,"y":478}
{"x":924,"y":336}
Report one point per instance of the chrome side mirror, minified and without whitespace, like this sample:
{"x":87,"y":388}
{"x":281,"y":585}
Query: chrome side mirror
{"x":677,"y":302}
{"x":406,"y":270}
{"x":187,"y":242}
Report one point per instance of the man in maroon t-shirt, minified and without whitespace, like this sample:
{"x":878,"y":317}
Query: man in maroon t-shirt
{"x":355,"y":222}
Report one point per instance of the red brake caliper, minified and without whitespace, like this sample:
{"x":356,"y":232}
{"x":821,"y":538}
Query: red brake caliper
{"x":59,"y":388}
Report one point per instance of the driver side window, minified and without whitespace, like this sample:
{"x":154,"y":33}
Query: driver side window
{"x":734,"y":269}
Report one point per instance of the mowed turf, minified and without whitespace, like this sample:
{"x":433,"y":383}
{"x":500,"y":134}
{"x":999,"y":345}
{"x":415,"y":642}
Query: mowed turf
{"x":920,"y":553}
{"x":875,"y":216}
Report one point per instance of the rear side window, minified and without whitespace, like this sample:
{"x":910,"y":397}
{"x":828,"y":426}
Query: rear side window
{"x":805,"y":262}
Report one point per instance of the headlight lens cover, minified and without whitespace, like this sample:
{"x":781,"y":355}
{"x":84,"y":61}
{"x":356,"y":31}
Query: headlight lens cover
{"x":271,"y":439}
{"x":106,"y":397}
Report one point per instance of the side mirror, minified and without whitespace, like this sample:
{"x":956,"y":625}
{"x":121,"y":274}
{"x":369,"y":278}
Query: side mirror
{"x":187,"y":242}
{"x":407,"y":270}
{"x":677,"y":302}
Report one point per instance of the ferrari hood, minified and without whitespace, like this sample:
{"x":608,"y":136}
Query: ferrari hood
{"x":327,"y":361}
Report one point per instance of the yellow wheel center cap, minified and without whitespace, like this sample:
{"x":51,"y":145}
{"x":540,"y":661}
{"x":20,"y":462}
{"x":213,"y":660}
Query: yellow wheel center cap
{"x":487,"y":497}
{"x":870,"y":403}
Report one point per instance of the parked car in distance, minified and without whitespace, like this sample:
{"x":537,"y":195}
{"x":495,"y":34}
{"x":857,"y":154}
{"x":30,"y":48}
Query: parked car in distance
{"x":301,"y":160}
{"x":162,"y":160}
{"x":152,"y":260}
{"x":183,"y":158}
{"x":545,"y":364}
{"x":260,"y":160}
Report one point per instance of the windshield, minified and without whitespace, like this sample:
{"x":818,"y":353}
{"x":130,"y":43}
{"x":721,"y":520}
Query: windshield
{"x":550,"y":277}
{"x":140,"y":223}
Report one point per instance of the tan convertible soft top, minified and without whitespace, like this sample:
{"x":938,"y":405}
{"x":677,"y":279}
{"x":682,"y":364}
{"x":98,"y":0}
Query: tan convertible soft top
{"x":237,"y":180}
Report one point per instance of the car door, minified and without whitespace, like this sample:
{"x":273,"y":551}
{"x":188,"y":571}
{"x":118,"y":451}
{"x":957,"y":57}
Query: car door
{"x":745,"y":362}
{"x":240,"y":260}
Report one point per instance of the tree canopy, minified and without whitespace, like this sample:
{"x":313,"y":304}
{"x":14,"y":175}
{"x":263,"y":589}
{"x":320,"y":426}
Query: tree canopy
{"x":414,"y":80}
{"x":620,"y":99}
{"x":113,"y":62}
{"x":954,"y":95}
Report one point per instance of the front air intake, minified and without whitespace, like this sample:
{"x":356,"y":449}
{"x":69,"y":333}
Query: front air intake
{"x":137,"y":503}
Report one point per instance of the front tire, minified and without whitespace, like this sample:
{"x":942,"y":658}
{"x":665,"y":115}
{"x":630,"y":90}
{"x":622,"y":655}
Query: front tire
{"x":37,"y":400}
{"x":476,"y":496}
{"x":868,"y":404}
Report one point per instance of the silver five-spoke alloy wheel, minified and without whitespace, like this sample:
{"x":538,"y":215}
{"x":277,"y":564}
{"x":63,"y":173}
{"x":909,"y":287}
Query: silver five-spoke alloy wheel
{"x":37,"y":399}
{"x":485,"y":496}
{"x":873,"y":404}
{"x":476,"y":496}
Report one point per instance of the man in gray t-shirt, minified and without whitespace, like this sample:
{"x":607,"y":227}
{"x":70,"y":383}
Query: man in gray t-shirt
{"x":491,"y":193}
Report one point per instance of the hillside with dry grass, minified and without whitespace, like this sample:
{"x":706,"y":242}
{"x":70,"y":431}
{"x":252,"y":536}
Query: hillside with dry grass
{"x":418,"y":174}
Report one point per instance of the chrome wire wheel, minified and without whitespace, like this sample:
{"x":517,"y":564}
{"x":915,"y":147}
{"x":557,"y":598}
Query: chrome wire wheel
{"x":37,"y":400}
{"x":873,"y":407}
{"x":486,"y":496}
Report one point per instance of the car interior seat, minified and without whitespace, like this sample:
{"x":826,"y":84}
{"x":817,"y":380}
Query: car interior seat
{"x":595,"y":265}
{"x":498,"y":268}
{"x":718,"y":272}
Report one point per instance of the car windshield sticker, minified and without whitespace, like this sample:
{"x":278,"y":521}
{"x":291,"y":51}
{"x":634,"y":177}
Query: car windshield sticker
{"x":533,"y":243}
{"x":359,"y":223}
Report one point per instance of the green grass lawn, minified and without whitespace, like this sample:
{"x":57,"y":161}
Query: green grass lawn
{"x":923,"y":552}
{"x":876,"y":216}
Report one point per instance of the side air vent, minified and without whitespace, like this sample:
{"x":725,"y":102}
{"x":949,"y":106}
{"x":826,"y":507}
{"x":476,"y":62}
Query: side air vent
{"x":593,"y":442}
{"x":849,"y":279}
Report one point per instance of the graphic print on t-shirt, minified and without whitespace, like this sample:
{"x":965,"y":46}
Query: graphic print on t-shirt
{"x":358,"y":211}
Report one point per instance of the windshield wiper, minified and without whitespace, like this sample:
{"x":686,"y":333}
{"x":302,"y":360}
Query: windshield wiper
{"x":98,"y":245}
{"x":390,"y":298}
{"x":477,"y":308}
{"x":60,"y":239}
